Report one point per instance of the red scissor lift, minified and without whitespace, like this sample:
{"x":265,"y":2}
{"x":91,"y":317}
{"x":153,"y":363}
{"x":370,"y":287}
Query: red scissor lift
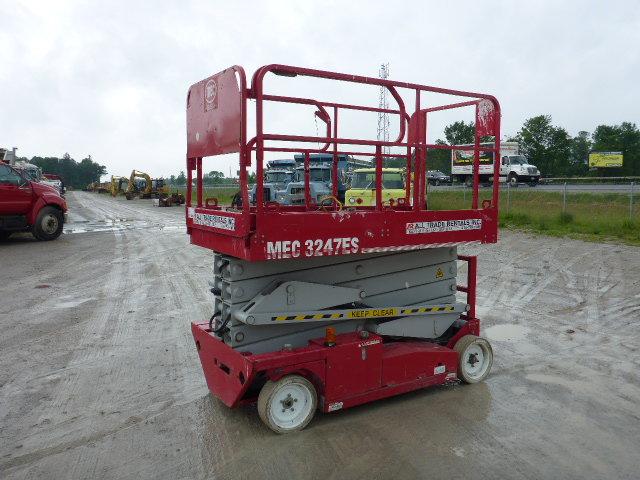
{"x":322,"y":306}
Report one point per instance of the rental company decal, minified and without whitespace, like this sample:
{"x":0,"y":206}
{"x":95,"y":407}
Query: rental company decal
{"x":216,"y":221}
{"x":444,"y":226}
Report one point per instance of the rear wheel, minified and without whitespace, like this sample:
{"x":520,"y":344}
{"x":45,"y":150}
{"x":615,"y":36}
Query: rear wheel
{"x":48,"y":224}
{"x":4,"y":235}
{"x":475,"y":358}
{"x":287,"y":405}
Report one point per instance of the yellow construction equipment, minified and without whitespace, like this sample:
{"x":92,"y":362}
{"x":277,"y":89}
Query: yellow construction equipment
{"x":133,"y":188}
{"x":117,"y":185}
{"x":152,"y":187}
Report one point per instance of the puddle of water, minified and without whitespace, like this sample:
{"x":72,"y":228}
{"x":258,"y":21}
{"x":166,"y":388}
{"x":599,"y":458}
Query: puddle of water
{"x":458,"y":451}
{"x":72,"y":303}
{"x":506,"y":332}
{"x":116,"y":227}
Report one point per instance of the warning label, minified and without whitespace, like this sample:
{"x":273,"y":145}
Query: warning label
{"x":374,"y":313}
{"x":444,"y":226}
{"x":216,"y":221}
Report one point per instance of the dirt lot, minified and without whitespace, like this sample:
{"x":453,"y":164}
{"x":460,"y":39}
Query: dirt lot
{"x":99,"y":377}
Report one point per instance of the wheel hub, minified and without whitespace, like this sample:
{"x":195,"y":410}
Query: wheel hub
{"x":473,"y":359}
{"x":287,"y":403}
{"x":50,"y":224}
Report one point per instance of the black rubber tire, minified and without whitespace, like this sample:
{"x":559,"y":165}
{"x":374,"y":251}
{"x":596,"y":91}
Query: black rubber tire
{"x":468,"y":182}
{"x":4,"y":235}
{"x":266,"y":397}
{"x":512,"y":179}
{"x":49,"y":224}
{"x":461,"y":347}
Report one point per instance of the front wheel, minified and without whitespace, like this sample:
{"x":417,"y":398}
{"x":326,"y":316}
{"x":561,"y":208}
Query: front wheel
{"x":475,"y":358}
{"x":513,"y":180}
{"x":49,"y":223}
{"x":4,"y":235}
{"x":287,"y":405}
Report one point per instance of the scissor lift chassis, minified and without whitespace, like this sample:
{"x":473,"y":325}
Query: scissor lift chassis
{"x":380,"y":350}
{"x":318,"y":306}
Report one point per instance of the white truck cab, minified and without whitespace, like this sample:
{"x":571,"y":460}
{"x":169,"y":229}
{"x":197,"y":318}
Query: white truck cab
{"x":514,"y":168}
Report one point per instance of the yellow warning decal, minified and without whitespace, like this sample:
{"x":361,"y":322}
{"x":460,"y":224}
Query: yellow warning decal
{"x":439,"y":273}
{"x":407,"y":311}
{"x":317,"y":316}
{"x":374,"y":313}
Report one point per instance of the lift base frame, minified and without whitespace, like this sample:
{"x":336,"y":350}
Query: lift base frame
{"x":354,"y":371}
{"x":359,"y":368}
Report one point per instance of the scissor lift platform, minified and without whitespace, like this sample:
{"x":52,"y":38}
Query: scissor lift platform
{"x":319,"y":304}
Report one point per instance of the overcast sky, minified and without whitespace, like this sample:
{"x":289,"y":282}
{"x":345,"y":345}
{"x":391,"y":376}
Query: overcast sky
{"x":110,"y":78}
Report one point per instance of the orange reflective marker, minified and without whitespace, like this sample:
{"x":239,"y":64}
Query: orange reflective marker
{"x":330,"y":337}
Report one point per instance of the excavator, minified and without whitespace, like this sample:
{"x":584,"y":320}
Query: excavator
{"x":153,"y":188}
{"x":133,"y":187}
{"x":117,"y":185}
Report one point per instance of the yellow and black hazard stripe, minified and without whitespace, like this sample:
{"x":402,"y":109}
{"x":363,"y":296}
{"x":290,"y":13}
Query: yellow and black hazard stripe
{"x":317,"y":316}
{"x":407,"y":311}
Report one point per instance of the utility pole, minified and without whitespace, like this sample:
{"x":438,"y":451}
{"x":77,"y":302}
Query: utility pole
{"x":383,"y":103}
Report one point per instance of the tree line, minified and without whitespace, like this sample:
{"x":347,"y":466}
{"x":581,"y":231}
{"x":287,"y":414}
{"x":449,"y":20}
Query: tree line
{"x":73,"y":173}
{"x":552,"y":149}
{"x":212,"y":178}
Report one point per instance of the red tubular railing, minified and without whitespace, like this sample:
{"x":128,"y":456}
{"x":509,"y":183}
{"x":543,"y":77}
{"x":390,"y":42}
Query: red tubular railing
{"x":411,"y":137}
{"x":470,"y":287}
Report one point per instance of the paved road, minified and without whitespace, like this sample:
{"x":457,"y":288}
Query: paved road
{"x":99,"y":377}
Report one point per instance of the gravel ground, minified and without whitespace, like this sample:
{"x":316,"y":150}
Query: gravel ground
{"x":99,"y":377}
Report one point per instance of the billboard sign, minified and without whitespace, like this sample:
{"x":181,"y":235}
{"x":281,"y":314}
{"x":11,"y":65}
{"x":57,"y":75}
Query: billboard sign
{"x":605,"y":159}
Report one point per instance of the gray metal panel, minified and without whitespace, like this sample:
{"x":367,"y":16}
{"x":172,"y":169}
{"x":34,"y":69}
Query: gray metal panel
{"x":299,"y":296}
{"x":235,"y":269}
{"x":269,"y":338}
{"x":428,"y":326}
{"x":404,"y":278}
{"x":390,"y":273}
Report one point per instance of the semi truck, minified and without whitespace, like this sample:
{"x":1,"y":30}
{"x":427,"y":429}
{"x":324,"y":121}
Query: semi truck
{"x":514,"y":168}
{"x":278,"y":175}
{"x":319,"y":186}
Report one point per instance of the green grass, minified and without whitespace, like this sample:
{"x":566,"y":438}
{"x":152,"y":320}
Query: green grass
{"x":224,"y":195}
{"x":588,"y":216}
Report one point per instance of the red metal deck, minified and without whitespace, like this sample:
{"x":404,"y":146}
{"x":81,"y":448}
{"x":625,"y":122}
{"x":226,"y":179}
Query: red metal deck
{"x":217,"y":112}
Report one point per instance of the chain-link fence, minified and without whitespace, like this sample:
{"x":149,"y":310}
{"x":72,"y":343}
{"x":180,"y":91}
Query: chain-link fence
{"x":601,"y":210}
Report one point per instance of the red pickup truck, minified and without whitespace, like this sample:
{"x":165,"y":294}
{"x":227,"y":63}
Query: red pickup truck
{"x":29,"y":206}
